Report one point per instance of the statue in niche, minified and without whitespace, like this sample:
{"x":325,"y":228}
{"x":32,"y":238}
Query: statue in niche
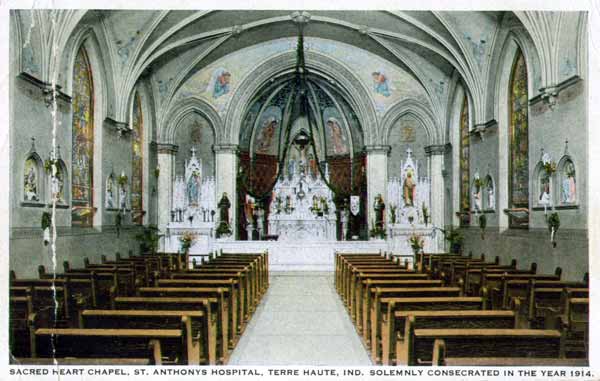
{"x":379,"y":207}
{"x":123,"y":198}
{"x":110,"y":188}
{"x":344,"y":216}
{"x":31,"y":180}
{"x":569,"y":189}
{"x":409,"y":189}
{"x":491,"y":194}
{"x":224,"y":205}
{"x":57,"y":185}
{"x":545,"y":191}
{"x":192,"y":188}
{"x":477,"y":193}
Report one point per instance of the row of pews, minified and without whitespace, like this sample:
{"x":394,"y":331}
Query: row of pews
{"x":139,"y":310}
{"x":462,"y":310}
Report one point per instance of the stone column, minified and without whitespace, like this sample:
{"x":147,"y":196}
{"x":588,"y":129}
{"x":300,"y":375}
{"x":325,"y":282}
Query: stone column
{"x":435,"y":156}
{"x":377,"y":156}
{"x":226,"y":163}
{"x":166,"y":163}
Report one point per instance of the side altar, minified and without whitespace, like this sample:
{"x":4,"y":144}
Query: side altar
{"x":193,"y":209}
{"x":409,"y":209}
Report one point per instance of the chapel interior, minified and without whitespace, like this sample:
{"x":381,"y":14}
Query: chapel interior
{"x":265,"y":187}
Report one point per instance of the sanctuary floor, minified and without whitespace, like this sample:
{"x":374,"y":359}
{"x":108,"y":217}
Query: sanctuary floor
{"x":300,"y":321}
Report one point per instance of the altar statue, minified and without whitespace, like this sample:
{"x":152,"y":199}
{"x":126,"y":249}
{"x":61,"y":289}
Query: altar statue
{"x":408,"y":190}
{"x":192,"y":189}
{"x":379,"y":208}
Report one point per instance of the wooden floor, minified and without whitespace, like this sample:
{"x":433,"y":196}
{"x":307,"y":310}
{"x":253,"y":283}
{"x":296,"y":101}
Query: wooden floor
{"x":300,"y":321}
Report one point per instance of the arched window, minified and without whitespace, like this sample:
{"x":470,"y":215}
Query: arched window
{"x":82,"y":188}
{"x":519,"y":140}
{"x":137,"y":163}
{"x":465,"y":187}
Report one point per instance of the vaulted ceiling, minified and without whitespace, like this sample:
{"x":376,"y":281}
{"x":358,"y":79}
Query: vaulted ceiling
{"x":440,"y":50}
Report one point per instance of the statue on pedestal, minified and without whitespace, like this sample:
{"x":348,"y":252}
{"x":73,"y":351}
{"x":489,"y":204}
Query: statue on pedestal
{"x":379,"y":207}
{"x":224,"y":205}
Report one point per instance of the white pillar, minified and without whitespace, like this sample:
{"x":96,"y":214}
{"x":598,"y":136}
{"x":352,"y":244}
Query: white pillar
{"x":166,"y":163}
{"x":226,"y":169}
{"x":435,"y":154}
{"x":377,"y":157}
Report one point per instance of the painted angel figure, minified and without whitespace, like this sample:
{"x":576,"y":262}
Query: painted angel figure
{"x":219,"y":84}
{"x":380,"y":83}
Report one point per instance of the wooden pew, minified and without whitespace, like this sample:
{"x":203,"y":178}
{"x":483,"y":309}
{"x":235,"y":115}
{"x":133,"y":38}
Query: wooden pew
{"x":399,"y":291}
{"x":575,"y":323}
{"x":227,"y":304}
{"x":20,"y":316}
{"x":532,"y":343}
{"x":194,"y":323}
{"x":49,"y":298}
{"x":217,"y":324}
{"x":473,"y":278}
{"x":382,"y":318}
{"x":365,"y":300}
{"x":406,"y":322}
{"x":546,"y":300}
{"x":110,"y":343}
{"x":231,"y":284}
{"x":125,"y":275}
{"x":496,"y":282}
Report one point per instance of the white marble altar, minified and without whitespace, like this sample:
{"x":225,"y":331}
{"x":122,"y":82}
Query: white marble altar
{"x":302,"y":207}
{"x":193,"y":209}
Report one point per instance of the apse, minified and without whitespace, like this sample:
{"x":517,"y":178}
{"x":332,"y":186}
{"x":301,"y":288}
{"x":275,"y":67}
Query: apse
{"x":285,"y":148}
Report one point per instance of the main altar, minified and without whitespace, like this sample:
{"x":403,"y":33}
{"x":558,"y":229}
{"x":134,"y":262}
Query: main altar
{"x":302,"y":205}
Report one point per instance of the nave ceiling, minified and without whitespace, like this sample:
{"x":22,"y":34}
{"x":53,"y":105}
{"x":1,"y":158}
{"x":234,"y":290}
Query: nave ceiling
{"x":436,"y":52}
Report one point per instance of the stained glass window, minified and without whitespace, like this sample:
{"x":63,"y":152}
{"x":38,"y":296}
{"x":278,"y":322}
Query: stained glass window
{"x":519,"y":139}
{"x":137,"y":163}
{"x":465,"y":195}
{"x":83,"y":141}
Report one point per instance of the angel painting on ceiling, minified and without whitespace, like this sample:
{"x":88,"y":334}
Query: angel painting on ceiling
{"x":219,"y":83}
{"x":380,"y":83}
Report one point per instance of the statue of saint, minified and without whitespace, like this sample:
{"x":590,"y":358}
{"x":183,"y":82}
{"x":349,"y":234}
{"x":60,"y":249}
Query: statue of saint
{"x":192,"y":189}
{"x":408,"y":190}
{"x":224,"y":206}
{"x":379,"y":208}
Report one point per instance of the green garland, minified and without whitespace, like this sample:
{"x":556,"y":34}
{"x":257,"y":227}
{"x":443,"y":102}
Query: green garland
{"x":46,"y":220}
{"x":482,"y":224}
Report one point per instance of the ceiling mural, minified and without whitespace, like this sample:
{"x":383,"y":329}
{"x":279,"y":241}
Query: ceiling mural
{"x":219,"y":80}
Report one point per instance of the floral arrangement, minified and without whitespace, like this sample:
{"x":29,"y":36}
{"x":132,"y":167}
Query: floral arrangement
{"x":157,"y":171}
{"x":122,"y":180}
{"x":416,"y":242}
{"x":49,"y":163}
{"x":482,"y":224}
{"x":325,"y":205}
{"x":550,"y":167}
{"x":553,"y":225}
{"x":187,"y":240}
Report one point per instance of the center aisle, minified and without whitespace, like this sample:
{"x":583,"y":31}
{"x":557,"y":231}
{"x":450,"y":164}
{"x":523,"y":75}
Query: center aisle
{"x":300,"y":321}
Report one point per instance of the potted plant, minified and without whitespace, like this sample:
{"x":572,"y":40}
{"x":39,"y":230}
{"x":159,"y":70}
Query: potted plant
{"x":416,"y":242}
{"x":482,"y":224}
{"x":455,"y":238}
{"x":553,"y":225}
{"x":550,"y":168}
{"x":148,"y":239}
{"x":46,"y":222}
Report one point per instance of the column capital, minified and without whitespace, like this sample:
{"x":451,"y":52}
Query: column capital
{"x":375,"y":148}
{"x":437,"y":149}
{"x":166,"y":148}
{"x":225,"y":148}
